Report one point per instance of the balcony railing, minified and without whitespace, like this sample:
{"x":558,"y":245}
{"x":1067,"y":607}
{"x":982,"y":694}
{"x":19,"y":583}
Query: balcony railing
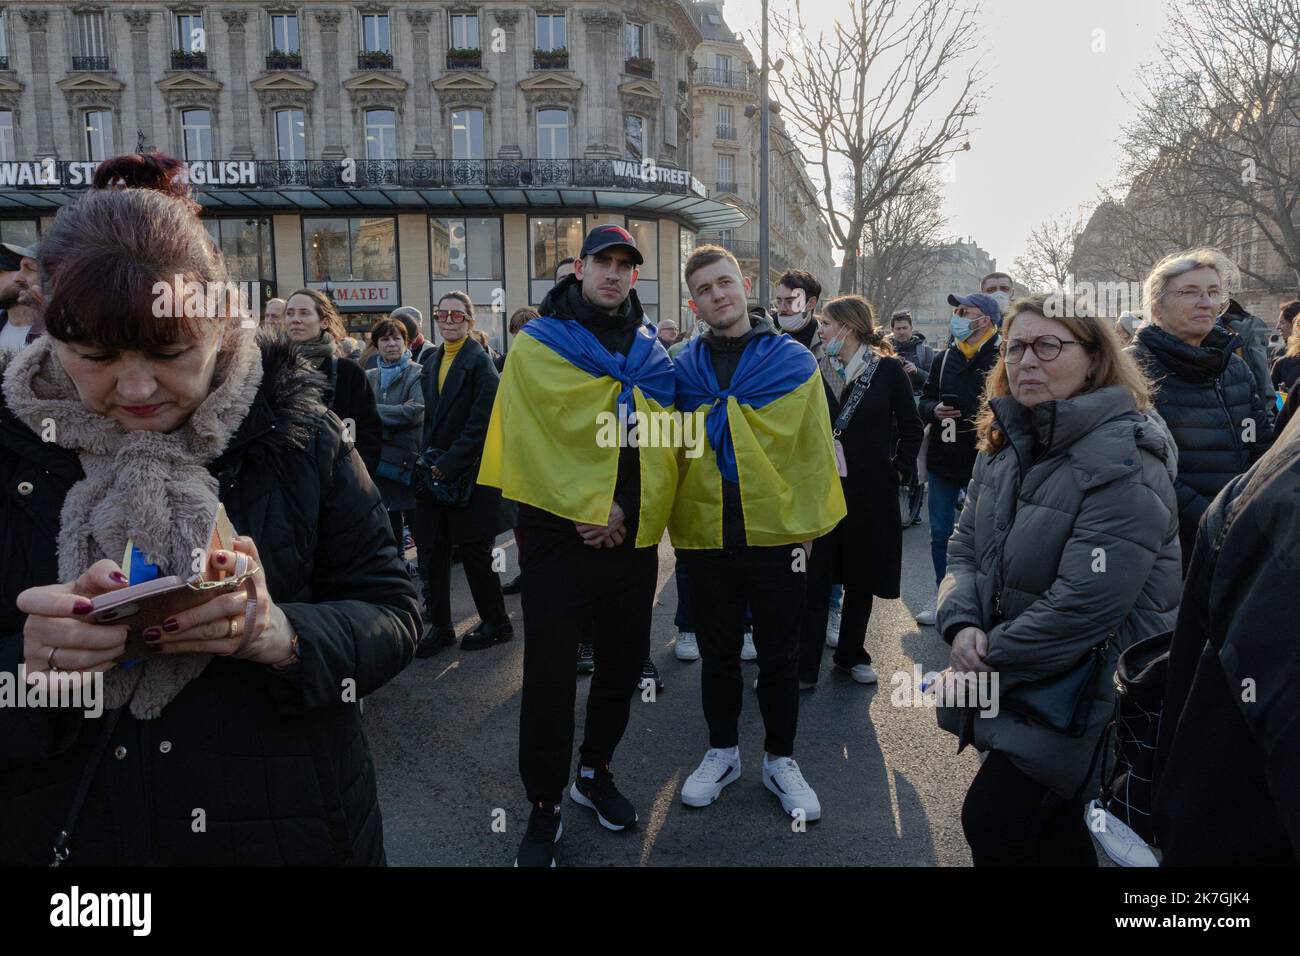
{"x":386,"y":173}
{"x":4,"y":62}
{"x":731,"y":79}
{"x":557,"y":59}
{"x":465,"y":58}
{"x":726,"y":132}
{"x":189,"y":60}
{"x":374,"y":60}
{"x":743,"y":248}
{"x":725,"y":187}
{"x":284,"y":60}
{"x":90,"y":63}
{"x":639,"y":66}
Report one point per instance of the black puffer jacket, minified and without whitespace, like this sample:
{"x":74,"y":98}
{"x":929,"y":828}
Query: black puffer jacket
{"x":1228,"y":758}
{"x":276,"y":760}
{"x":952,"y":373}
{"x":1207,"y":396}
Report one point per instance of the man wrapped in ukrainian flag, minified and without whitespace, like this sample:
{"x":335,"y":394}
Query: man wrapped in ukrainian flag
{"x":591,"y":514}
{"x":745,"y":515}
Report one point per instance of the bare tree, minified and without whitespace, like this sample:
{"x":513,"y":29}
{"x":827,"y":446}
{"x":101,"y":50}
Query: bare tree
{"x":1049,"y":251}
{"x":900,"y":244}
{"x":865,"y":98}
{"x":1220,"y":118}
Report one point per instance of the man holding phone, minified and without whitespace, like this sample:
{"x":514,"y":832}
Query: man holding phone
{"x":949,"y":402}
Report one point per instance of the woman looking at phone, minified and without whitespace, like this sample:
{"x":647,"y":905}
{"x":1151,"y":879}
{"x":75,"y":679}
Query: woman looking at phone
{"x":124,"y":424}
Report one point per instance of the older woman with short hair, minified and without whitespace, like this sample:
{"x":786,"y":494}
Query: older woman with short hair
{"x":1206,"y":394}
{"x":1066,"y":553}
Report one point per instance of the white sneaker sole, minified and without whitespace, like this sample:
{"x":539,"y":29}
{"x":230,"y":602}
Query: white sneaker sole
{"x":748,"y":654}
{"x":697,"y":801}
{"x":832,"y":640}
{"x":691,"y":655}
{"x":1119,"y":842}
{"x":576,"y":795}
{"x":558,"y":833}
{"x":787,"y":802}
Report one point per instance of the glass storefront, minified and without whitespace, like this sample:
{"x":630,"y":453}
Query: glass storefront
{"x":467,"y":255}
{"x":21,"y":232}
{"x":353,"y":260}
{"x":549,"y":241}
{"x":247,"y":247}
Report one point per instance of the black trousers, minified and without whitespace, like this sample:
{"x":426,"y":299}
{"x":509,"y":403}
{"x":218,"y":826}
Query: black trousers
{"x":570,"y":590}
{"x":433,"y":537}
{"x":1010,"y":819}
{"x":767,"y":581}
{"x":855,"y":613}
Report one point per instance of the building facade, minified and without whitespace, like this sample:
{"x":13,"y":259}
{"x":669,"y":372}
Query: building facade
{"x":960,"y":264}
{"x":726,"y":149}
{"x":383,"y":152}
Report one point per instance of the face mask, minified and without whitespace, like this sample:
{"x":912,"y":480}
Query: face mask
{"x":960,"y":328}
{"x":834,"y":346}
{"x":793,"y":323}
{"x":1003,"y":300}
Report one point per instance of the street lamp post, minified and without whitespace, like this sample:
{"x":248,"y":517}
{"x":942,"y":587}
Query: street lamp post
{"x":763,"y":239}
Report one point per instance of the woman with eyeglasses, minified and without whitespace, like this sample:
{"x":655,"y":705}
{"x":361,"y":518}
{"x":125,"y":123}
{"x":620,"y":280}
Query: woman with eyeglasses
{"x":460,"y":384}
{"x":1065,"y":554}
{"x":1206,"y":394}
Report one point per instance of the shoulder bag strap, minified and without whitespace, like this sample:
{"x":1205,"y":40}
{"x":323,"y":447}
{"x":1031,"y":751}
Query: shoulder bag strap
{"x":61,"y":850}
{"x":855,"y":397}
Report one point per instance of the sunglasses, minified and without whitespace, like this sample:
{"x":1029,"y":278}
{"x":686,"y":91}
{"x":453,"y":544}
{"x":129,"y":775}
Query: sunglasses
{"x":456,"y":317}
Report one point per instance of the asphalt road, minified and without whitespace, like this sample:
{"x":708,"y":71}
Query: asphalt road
{"x":444,"y":738}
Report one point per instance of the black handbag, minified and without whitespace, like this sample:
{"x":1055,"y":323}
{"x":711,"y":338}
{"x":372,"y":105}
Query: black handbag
{"x":396,"y":465}
{"x":1059,"y":702}
{"x":445,"y":492}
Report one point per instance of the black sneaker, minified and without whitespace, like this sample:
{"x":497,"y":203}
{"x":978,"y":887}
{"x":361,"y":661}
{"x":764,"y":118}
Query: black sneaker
{"x":586,"y":658}
{"x":485,"y":635}
{"x":598,"y":793}
{"x":651,"y":673}
{"x":544,"y":831}
{"x":434,"y":640}
{"x":511,"y":587}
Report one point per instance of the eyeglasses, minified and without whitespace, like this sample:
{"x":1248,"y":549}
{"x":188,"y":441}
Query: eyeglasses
{"x":1192,"y":296}
{"x":966,"y":313}
{"x":442,"y":315}
{"x":1046,"y":347}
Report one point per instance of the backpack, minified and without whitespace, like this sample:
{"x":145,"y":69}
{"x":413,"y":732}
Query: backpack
{"x":1128,"y":786}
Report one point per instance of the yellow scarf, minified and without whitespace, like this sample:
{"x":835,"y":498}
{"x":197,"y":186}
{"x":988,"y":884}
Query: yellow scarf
{"x":448,"y":356}
{"x":971,"y":346}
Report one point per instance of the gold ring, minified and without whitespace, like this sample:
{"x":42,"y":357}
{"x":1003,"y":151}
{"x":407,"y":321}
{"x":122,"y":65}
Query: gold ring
{"x":234,"y":627}
{"x":49,"y":661}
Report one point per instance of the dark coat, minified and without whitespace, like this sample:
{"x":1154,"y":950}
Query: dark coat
{"x":882,"y":439}
{"x":917,"y":351}
{"x":275,"y":758}
{"x":955,"y":460}
{"x":455,"y":421}
{"x":1079,"y":479}
{"x":1285,"y":372}
{"x":355,"y":401}
{"x":1205,"y":395}
{"x":1228,"y":757}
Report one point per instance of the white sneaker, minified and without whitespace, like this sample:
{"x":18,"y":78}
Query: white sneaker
{"x":833,"y":628}
{"x":747,"y":651}
{"x":784,"y":779}
{"x":1118,"y":840}
{"x":863,"y":673}
{"x":930,"y":615}
{"x":715,"y":771}
{"x":688,"y":648}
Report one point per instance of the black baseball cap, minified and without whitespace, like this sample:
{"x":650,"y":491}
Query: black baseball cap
{"x":12,"y":256}
{"x":603,"y":237}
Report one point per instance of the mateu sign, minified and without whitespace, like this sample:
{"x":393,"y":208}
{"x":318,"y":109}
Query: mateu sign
{"x":47,"y":172}
{"x":361,"y":296}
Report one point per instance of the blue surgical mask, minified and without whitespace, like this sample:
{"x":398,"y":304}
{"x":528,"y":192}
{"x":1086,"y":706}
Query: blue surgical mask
{"x":834,"y":346}
{"x":960,"y":328}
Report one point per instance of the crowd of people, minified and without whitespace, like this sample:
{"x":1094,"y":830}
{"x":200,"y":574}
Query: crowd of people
{"x":1091,"y":484}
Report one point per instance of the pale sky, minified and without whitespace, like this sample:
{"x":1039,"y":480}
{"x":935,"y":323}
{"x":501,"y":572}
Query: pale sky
{"x":1046,"y":136}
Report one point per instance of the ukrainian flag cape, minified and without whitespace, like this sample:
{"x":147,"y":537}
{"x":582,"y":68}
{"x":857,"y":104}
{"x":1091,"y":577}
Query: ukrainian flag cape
{"x":548,"y":443}
{"x":769,"y":432}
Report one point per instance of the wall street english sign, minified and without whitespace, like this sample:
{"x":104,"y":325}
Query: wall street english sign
{"x":71,"y":175}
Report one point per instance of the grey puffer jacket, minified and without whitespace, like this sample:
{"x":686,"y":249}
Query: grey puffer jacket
{"x":401,"y":409}
{"x":1082,"y":485}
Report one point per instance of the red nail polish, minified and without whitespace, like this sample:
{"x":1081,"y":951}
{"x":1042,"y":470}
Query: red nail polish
{"x":119,"y":577}
{"x":152,"y":634}
{"x":171,"y":625}
{"x":82,"y":607}
{"x":221,"y":559}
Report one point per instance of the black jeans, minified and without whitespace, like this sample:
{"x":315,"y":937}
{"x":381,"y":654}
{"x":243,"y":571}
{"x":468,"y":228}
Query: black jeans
{"x":1010,"y":819}
{"x":855,"y":614}
{"x":569,"y":590}
{"x":765,"y":579}
{"x":433,"y":537}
